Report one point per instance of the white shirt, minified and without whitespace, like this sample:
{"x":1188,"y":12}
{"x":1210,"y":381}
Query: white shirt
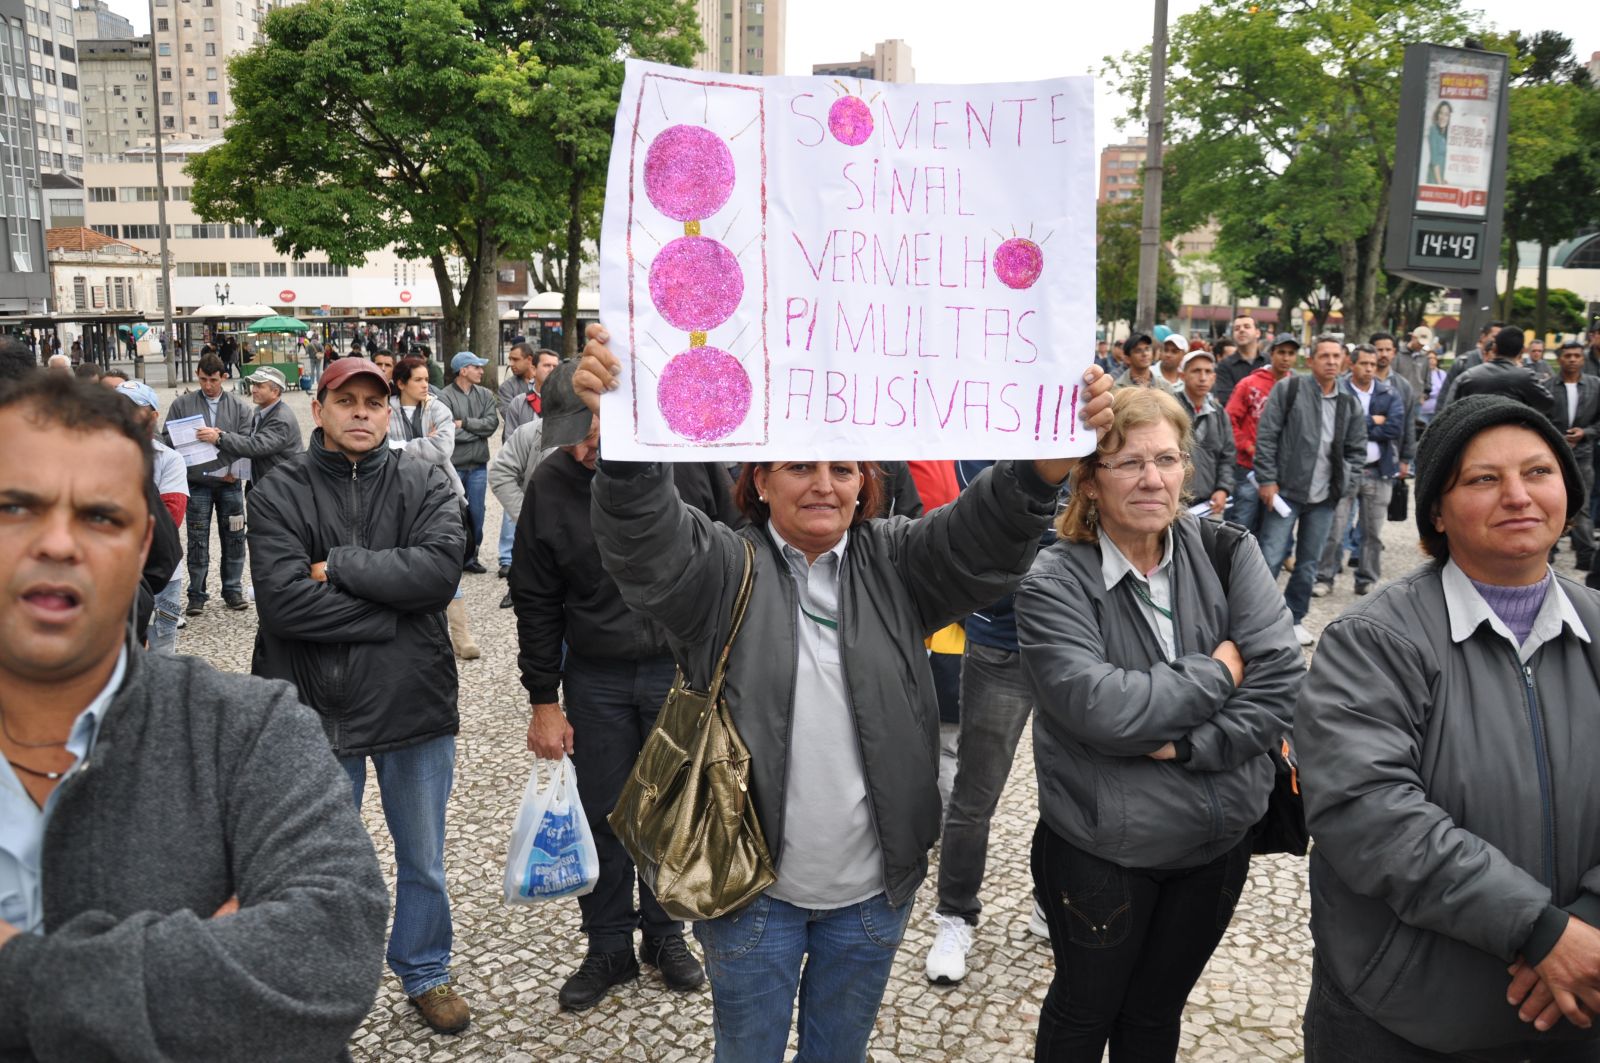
{"x":22,"y":823}
{"x":1156,"y":584}
{"x":1365,"y":398}
{"x":1572,"y":402}
{"x":830,"y":856}
{"x":1468,"y":612}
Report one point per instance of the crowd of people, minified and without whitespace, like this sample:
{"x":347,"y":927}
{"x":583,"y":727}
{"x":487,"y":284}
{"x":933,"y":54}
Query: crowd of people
{"x":1128,"y":602}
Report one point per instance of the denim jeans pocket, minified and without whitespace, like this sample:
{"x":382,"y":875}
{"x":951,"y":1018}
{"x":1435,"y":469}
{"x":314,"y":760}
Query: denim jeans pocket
{"x":1096,"y":901}
{"x":883,"y":923}
{"x":731,"y":936}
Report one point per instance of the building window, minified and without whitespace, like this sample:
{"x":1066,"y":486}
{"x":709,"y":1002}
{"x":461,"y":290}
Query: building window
{"x":80,"y":293}
{"x":166,"y":99}
{"x":211,"y":49}
{"x":166,"y":73}
{"x":102,"y":194}
{"x":201,"y":269}
{"x":179,"y":193}
{"x":209,"y":25}
{"x":244,"y":269}
{"x":141,"y":232}
{"x":243,"y":232}
{"x":105,"y":230}
{"x":211,"y":231}
{"x":162,"y":25}
{"x":320,"y":269}
{"x":139,"y":194}
{"x":274,"y":269}
{"x":163,"y":48}
{"x":211,"y":73}
{"x":167,"y":122}
{"x":211,"y":98}
{"x":213,"y":122}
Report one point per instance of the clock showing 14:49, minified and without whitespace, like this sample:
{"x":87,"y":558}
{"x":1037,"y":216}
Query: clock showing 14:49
{"x":1452,"y":245}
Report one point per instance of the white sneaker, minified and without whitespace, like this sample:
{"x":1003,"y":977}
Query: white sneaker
{"x":1303,"y":635}
{"x":947,"y":959}
{"x":1321,"y":590}
{"x":1036,"y":924}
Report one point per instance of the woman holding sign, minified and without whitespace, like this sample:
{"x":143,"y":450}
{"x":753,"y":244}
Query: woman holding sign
{"x":1164,"y":667}
{"x":829,"y":687}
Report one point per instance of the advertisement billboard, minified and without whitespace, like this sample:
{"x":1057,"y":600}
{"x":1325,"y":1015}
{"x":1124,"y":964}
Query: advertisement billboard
{"x":1458,"y":139}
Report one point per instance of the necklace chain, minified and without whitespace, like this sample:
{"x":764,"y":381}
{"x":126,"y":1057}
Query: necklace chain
{"x":53,"y":776}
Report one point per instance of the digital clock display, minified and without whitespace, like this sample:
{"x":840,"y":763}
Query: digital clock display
{"x":1446,"y":244}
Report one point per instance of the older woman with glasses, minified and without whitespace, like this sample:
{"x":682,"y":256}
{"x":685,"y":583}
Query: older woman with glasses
{"x":1164,"y":666}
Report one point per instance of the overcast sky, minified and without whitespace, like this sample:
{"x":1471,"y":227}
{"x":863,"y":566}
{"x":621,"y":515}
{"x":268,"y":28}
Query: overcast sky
{"x":967,"y":41}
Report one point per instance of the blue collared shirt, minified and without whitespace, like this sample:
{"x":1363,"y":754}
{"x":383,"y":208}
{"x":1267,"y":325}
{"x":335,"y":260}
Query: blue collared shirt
{"x":22,"y":823}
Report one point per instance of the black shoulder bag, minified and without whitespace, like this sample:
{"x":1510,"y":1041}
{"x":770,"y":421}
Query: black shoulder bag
{"x":1283,"y":828}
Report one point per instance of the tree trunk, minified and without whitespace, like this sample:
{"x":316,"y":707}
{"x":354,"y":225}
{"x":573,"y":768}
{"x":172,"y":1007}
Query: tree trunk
{"x":1349,"y":274}
{"x":486,"y":307}
{"x":1513,"y":260}
{"x":571,"y":341}
{"x":452,"y":328}
{"x":1541,"y":305}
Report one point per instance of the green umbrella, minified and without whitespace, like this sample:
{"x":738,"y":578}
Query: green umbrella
{"x":278,"y":323}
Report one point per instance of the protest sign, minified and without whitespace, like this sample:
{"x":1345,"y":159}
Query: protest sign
{"x":817,"y":267}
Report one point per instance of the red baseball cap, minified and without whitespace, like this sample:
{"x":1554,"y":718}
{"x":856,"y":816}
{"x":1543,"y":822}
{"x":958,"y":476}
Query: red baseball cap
{"x":344,"y":370}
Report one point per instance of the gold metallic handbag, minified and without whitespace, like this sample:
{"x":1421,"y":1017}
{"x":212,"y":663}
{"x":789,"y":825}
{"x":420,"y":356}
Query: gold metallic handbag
{"x":685,"y":814}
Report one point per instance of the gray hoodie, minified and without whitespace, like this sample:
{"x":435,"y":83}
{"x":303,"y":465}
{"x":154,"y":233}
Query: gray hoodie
{"x":201,"y":786}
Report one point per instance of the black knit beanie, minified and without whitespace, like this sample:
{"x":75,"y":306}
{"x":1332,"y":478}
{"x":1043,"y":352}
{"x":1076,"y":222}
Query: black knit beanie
{"x":1451,"y":430}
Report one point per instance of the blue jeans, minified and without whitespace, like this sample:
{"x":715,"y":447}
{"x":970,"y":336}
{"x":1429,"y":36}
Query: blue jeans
{"x":612,"y":706}
{"x":163,"y":634}
{"x":1315,"y":521}
{"x":838,"y":960}
{"x":508,"y":535}
{"x":1245,"y":509}
{"x":996,"y":703}
{"x":414,"y":784}
{"x":475,"y":478}
{"x":228,"y":501}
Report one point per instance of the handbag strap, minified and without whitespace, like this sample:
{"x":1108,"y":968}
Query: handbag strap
{"x":741,"y":605}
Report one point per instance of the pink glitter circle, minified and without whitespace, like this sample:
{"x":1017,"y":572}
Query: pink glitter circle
{"x":1018,"y":262}
{"x":696,"y":283}
{"x":688,"y":172}
{"x":704,"y":393}
{"x":850,"y":120}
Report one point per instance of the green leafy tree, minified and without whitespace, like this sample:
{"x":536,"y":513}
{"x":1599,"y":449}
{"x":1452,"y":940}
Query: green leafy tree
{"x":1285,"y":113}
{"x":1564,"y":309}
{"x":421,"y":124}
{"x":1117,"y":226}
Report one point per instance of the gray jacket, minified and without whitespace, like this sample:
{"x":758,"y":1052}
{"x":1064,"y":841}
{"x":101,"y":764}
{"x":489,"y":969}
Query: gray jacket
{"x":435,"y":441}
{"x":1212,"y":455}
{"x":1453,"y":798}
{"x":202,"y":785}
{"x":1410,"y":399}
{"x":902,"y":580}
{"x":232,"y":416}
{"x":512,"y":401}
{"x":267,"y":443}
{"x":514,"y":464}
{"x":1291,"y":426}
{"x":476,"y":411}
{"x":1106,"y":697}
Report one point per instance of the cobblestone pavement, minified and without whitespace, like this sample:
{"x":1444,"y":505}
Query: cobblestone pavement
{"x":509,"y":961}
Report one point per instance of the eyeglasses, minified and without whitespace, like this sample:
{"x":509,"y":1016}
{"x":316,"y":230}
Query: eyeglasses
{"x":1133,"y":468}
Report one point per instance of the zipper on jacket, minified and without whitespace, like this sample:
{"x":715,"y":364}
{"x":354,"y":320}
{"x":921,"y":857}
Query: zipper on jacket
{"x":1541,"y":758}
{"x":861,"y":749}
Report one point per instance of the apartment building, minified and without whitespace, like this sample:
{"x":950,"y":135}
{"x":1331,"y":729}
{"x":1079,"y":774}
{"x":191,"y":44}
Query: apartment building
{"x":889,"y":61}
{"x":95,"y":21}
{"x":741,"y":36}
{"x":213,"y":262}
{"x":194,"y":39}
{"x":118,"y":112}
{"x":24,"y":271}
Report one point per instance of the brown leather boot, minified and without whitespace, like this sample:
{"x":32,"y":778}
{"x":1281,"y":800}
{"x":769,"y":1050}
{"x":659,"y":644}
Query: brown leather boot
{"x":443,"y":1009}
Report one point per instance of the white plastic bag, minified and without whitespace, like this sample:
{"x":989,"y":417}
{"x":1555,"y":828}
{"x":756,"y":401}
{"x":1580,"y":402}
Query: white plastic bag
{"x":552,"y":850}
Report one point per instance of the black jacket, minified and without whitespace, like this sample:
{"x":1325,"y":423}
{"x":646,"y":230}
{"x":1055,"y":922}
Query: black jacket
{"x":1503,"y":377}
{"x":900,"y":495}
{"x":561,"y":592}
{"x":368,"y":649}
{"x":1588,"y":417}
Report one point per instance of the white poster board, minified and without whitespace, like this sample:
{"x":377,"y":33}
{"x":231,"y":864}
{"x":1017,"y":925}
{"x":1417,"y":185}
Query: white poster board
{"x":1458,"y":134}
{"x":822,"y":268}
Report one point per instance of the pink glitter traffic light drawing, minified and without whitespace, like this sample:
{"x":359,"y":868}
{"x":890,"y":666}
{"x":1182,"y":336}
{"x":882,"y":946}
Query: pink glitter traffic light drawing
{"x":696,"y":283}
{"x":850,"y":118}
{"x":1019,"y":261}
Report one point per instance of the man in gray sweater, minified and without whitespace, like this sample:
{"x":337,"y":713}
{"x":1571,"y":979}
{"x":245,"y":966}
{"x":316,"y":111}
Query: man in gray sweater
{"x":182,"y":873}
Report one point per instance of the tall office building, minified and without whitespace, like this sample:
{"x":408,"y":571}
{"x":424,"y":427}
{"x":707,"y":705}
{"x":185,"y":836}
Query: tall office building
{"x":53,"y":73}
{"x":24,"y":268}
{"x":194,"y":40}
{"x":118,"y":112}
{"x":741,"y":36}
{"x":1122,"y":170}
{"x":94,"y":20}
{"x":889,"y":61}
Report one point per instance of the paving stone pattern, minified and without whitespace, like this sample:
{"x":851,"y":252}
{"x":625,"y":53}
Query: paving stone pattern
{"x":509,"y":961}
